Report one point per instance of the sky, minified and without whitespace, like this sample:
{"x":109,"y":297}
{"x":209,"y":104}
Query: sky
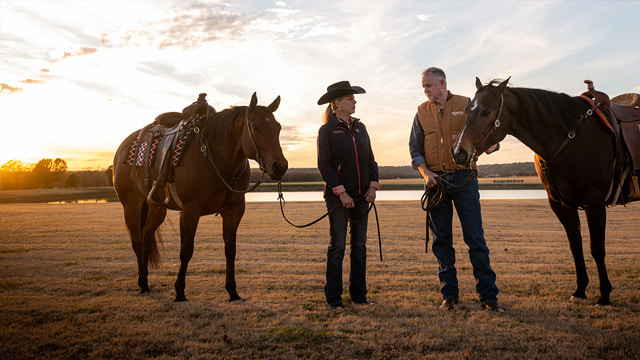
{"x":77,"y":77}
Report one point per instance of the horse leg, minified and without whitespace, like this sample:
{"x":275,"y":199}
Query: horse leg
{"x":152,"y":218}
{"x":597,"y":220}
{"x":189,"y":218}
{"x":230,"y":221}
{"x":135,"y":216}
{"x":571,"y":222}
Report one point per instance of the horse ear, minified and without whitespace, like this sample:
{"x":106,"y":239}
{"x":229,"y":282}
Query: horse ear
{"x":503,"y":84}
{"x":254,"y":102}
{"x":478,"y":83}
{"x":274,"y":105}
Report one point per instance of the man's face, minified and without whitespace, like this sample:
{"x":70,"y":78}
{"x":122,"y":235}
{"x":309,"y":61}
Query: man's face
{"x":434,"y":88}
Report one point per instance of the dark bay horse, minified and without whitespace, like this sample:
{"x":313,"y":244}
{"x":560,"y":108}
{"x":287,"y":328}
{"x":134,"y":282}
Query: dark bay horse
{"x":575,"y":159}
{"x":214,"y":185}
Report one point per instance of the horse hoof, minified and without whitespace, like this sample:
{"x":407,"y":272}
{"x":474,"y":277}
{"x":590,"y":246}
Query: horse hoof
{"x":577,"y":299}
{"x":180,"y":299}
{"x":236,"y":301}
{"x":144,"y":293}
{"x":604,"y":306}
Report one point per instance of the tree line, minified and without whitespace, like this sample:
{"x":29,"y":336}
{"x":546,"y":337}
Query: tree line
{"x":49,"y":173}
{"x":404,"y":172}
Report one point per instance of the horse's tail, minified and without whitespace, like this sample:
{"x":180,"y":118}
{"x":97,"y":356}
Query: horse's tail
{"x":152,"y":250}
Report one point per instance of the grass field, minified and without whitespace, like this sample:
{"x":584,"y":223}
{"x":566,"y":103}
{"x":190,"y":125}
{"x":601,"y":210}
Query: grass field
{"x":68,"y":289}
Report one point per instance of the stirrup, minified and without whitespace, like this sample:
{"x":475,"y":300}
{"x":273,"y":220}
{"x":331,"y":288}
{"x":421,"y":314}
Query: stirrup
{"x":150,"y":199}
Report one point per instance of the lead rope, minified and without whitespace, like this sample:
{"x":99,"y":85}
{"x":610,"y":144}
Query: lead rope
{"x":371,"y":206}
{"x":432,"y":197}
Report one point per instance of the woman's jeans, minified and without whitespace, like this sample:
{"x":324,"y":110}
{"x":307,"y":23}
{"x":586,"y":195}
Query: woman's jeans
{"x":466,"y":200}
{"x":338,"y":220}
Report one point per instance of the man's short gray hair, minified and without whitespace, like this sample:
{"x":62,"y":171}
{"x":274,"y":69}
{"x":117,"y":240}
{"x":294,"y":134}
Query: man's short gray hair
{"x":437,"y":72}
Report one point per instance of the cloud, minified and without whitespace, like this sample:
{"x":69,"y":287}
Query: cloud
{"x":8,"y":89}
{"x":32,"y":81}
{"x":57,"y":56}
{"x":291,"y":136}
{"x":185,"y":27}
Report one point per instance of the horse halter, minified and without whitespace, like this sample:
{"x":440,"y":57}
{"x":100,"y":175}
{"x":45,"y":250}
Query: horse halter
{"x":253,"y":142}
{"x":496,"y":123}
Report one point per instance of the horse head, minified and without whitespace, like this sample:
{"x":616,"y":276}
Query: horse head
{"x":261,"y":141}
{"x":484,"y":126}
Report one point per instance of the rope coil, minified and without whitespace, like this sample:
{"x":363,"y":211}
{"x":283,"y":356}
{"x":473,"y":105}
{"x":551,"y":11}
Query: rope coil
{"x":434,"y":195}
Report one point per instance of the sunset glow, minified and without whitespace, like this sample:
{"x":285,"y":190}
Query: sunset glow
{"x":77,"y":77}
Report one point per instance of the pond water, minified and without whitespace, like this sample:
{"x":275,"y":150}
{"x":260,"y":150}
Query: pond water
{"x":382,"y":195}
{"x":398,"y":195}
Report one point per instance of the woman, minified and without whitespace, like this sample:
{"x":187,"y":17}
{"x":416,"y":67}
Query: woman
{"x":350,"y":173}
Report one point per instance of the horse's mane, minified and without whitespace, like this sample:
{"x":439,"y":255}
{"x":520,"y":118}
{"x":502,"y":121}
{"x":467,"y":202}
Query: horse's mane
{"x":220,"y":126}
{"x":545,"y":104}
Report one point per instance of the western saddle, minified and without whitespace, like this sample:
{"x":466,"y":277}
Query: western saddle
{"x":160,"y":144}
{"x":626,"y":110}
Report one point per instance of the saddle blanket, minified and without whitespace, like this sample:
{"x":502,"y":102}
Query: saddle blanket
{"x":144,"y":151}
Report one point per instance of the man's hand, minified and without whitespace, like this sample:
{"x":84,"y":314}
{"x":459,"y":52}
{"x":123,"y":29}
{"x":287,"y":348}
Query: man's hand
{"x":347,"y":201}
{"x":428,"y":175}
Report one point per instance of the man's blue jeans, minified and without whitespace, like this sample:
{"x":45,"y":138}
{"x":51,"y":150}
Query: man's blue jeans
{"x":338,"y":220}
{"x":466,"y":200}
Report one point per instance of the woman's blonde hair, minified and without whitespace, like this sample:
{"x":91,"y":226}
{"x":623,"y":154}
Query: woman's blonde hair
{"x":328,"y":113}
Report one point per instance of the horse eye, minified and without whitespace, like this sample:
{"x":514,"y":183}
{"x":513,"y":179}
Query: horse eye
{"x":484,"y":113}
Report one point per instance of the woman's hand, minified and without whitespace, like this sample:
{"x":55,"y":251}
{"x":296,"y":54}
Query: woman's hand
{"x":370,"y":196}
{"x":347,"y":201}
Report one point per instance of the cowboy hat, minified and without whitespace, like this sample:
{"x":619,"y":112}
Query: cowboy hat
{"x":341,"y":88}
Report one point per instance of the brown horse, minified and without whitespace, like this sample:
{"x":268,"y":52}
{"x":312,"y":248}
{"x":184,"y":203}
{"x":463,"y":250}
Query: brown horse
{"x":211,"y":178}
{"x":576,"y":159}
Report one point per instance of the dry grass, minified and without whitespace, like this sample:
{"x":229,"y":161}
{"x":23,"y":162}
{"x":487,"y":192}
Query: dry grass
{"x":68,"y":290}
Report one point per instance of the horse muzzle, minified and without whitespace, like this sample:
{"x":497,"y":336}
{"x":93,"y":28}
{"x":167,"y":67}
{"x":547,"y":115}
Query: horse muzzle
{"x":461,"y":156}
{"x":277,"y":169}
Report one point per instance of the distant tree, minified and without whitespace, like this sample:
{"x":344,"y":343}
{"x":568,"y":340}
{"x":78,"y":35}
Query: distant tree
{"x":109,"y":173}
{"x":47,"y":172}
{"x":72,"y":181}
{"x":12,"y":174}
{"x":93,"y":178}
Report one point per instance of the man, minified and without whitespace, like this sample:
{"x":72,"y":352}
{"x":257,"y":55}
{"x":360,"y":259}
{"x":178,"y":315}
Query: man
{"x":435,"y":129}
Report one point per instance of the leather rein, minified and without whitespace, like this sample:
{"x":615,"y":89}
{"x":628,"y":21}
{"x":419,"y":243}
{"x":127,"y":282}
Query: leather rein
{"x":206,"y":151}
{"x":545,"y":166}
{"x":361,"y":198}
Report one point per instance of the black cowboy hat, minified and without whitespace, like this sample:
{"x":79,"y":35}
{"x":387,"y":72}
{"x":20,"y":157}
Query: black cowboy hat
{"x":341,"y":88}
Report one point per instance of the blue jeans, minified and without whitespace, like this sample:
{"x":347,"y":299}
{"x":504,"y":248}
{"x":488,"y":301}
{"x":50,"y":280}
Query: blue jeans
{"x":466,"y":200}
{"x":338,"y":221}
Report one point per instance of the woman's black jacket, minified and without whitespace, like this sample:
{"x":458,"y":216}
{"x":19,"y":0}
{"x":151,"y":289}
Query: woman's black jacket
{"x":345,"y":157}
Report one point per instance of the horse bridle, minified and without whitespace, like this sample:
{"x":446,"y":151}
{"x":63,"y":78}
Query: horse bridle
{"x":496,"y":124}
{"x":207,"y":154}
{"x":253,"y":142}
